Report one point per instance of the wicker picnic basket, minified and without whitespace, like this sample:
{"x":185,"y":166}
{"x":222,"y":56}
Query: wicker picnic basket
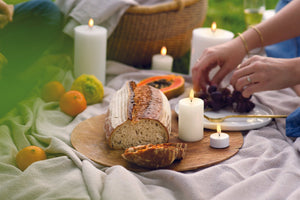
{"x":143,"y":30}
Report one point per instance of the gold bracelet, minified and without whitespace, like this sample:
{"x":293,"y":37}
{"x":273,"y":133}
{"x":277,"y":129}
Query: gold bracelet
{"x":260,"y":36}
{"x":245,"y":43}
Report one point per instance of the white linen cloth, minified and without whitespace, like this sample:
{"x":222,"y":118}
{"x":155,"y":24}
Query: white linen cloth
{"x":106,"y":13}
{"x":266,"y":167}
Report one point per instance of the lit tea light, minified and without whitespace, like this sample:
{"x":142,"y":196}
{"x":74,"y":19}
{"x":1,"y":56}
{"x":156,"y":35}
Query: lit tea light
{"x":162,"y":61}
{"x":219,"y":140}
{"x":190,"y":118}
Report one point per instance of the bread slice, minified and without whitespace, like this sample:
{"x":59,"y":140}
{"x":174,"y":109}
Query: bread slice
{"x":155,"y":156}
{"x":137,"y":116}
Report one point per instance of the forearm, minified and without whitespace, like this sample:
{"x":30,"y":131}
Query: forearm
{"x":284,"y":25}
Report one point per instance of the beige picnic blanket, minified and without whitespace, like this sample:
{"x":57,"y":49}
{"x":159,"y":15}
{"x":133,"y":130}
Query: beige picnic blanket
{"x":266,"y":167}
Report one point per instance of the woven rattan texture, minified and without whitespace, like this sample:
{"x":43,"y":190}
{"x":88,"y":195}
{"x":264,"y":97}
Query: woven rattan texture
{"x":139,"y":36}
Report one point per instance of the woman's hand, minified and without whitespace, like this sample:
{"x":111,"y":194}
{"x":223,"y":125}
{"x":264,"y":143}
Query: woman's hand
{"x":6,"y":14}
{"x":227,"y":56}
{"x":260,"y":73}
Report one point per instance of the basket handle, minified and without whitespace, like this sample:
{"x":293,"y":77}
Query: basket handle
{"x":175,"y":5}
{"x":180,"y":4}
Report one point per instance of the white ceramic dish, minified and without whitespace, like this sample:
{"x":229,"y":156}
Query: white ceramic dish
{"x":238,"y":124}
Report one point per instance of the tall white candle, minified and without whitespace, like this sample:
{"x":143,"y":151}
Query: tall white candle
{"x":90,"y":50}
{"x":162,"y":61}
{"x":190,"y":119}
{"x":206,"y":37}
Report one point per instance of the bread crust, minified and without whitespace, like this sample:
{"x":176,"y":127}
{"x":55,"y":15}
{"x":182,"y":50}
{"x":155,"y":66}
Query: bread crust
{"x":155,"y":156}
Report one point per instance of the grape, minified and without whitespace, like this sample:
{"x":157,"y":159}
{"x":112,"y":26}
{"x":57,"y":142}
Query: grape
{"x":237,"y":96}
{"x":229,"y":100}
{"x":225,"y":91}
{"x":203,"y":96}
{"x":218,"y":98}
{"x":206,"y":103}
{"x":216,"y":106}
{"x":212,"y":88}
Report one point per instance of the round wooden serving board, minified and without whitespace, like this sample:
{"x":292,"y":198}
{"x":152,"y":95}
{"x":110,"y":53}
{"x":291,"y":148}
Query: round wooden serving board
{"x":88,"y":137}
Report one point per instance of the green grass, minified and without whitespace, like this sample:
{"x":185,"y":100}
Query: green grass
{"x":14,"y":1}
{"x":229,"y":15}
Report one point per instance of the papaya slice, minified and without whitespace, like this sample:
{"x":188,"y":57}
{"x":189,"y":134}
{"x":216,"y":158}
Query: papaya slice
{"x":171,"y":85}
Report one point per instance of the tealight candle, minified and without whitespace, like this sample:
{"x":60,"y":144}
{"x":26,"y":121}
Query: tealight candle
{"x":203,"y":38}
{"x":90,"y":50}
{"x":219,"y":140}
{"x":190,"y":118}
{"x":162,"y":61}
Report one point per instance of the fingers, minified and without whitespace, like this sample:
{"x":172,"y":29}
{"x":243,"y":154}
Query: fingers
{"x":220,"y":75}
{"x":212,"y":57}
{"x":200,"y":78}
{"x":249,"y":77}
{"x":200,"y":72}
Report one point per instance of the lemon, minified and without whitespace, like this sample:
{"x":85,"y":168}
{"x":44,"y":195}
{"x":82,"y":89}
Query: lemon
{"x":90,"y":87}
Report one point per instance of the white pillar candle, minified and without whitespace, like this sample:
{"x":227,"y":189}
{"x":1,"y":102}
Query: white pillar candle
{"x":162,"y":61}
{"x":190,"y":119}
{"x":203,"y":38}
{"x":219,"y":140}
{"x":90,"y":50}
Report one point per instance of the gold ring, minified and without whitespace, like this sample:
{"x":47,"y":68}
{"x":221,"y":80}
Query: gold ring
{"x":239,"y":66}
{"x":249,"y":79}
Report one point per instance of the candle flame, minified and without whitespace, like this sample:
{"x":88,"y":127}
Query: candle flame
{"x":91,"y":23}
{"x":163,"y":51}
{"x":218,"y":128}
{"x":191,"y":95}
{"x":213,"y":27}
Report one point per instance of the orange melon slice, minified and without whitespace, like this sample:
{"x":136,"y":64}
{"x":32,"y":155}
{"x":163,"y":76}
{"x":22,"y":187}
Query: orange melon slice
{"x":171,"y":85}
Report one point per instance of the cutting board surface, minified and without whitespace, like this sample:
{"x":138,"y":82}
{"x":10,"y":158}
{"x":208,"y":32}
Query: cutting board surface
{"x":88,"y":137}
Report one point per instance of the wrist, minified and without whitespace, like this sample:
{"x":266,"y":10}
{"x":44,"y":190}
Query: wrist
{"x":293,"y":66}
{"x":239,"y":47}
{"x":254,"y":38}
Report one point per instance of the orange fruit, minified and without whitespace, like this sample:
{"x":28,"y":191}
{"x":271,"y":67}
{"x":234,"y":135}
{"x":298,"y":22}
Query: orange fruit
{"x":29,"y":155}
{"x":72,"y":103}
{"x":52,"y":91}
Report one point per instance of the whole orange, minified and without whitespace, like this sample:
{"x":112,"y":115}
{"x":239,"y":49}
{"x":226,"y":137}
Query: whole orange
{"x":72,"y":103}
{"x":29,"y":155}
{"x":52,"y":91}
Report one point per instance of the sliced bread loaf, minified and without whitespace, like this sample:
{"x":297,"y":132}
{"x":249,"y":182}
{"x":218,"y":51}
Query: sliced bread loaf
{"x":137,"y":116}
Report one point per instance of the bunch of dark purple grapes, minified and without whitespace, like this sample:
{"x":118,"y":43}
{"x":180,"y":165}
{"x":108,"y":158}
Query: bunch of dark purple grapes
{"x":219,"y":98}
